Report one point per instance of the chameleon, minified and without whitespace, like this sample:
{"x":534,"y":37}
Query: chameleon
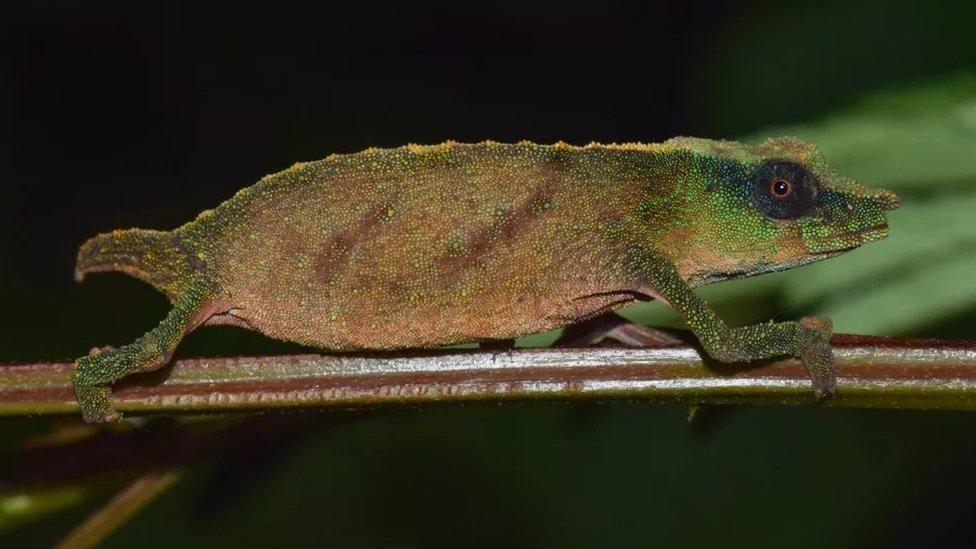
{"x":422,"y":246}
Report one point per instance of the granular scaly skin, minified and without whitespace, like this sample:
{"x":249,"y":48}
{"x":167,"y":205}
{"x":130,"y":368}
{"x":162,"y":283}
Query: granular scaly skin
{"x":421,"y":246}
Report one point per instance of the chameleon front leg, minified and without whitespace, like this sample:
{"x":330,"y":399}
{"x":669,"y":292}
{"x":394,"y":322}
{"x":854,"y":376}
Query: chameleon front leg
{"x":808,"y":338}
{"x":94,"y":373}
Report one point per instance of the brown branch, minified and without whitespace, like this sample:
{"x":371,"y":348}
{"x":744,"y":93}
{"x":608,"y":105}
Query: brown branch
{"x":872,"y":372}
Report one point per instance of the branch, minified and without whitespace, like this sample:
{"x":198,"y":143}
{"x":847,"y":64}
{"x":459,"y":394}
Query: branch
{"x":873,"y":372}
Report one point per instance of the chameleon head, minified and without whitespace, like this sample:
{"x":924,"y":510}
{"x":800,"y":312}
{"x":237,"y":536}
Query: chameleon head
{"x":779,"y":205}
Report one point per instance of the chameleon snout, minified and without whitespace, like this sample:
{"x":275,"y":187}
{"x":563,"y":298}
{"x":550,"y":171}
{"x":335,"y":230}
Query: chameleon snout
{"x":887,"y":199}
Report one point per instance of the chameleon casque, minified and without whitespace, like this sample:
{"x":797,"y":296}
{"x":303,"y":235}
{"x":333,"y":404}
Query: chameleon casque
{"x":421,"y":246}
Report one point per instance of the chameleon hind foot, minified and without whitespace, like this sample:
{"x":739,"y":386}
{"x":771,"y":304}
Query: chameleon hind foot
{"x":94,"y":373}
{"x":95,"y":403}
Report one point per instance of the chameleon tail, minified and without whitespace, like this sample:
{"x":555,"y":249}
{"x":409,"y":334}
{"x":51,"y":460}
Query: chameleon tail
{"x":155,"y":257}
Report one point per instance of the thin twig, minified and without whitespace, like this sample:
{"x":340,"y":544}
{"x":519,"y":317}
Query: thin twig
{"x":872,"y":372}
{"x":118,"y":510}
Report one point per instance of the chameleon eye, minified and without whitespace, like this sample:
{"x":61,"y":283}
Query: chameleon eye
{"x":781,"y":188}
{"x":784,"y":189}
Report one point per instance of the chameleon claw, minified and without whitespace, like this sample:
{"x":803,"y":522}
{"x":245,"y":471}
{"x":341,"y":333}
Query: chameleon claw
{"x":95,"y":404}
{"x":95,"y":351}
{"x":818,"y":356}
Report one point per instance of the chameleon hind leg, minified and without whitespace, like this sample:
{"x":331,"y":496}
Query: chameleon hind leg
{"x":94,"y":373}
{"x":611,"y":325}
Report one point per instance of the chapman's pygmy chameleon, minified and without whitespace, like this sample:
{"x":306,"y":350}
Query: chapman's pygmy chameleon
{"x":422,"y":246}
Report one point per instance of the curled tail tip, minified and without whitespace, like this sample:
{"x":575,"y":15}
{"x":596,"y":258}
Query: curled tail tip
{"x":82,"y":271}
{"x":86,"y":257}
{"x":93,"y":255}
{"x":144,"y":254}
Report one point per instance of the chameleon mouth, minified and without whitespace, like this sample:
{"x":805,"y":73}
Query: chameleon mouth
{"x":875,"y":233}
{"x":823,"y":247}
{"x":842,"y":242}
{"x":862,"y":236}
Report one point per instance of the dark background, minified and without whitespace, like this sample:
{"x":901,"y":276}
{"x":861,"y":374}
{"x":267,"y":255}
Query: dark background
{"x":121,"y":114}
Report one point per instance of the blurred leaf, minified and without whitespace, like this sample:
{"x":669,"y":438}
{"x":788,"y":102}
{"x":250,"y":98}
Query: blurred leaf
{"x":920,"y":142}
{"x":941,"y":289}
{"x":37,"y":503}
{"x":915,"y":139}
{"x":922,"y":273}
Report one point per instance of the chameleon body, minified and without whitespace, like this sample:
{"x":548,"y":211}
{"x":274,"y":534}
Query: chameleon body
{"x":422,"y":246}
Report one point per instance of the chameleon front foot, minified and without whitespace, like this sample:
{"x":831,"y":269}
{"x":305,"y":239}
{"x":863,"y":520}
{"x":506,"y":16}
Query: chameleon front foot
{"x":807,"y":339}
{"x":818,"y":357}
